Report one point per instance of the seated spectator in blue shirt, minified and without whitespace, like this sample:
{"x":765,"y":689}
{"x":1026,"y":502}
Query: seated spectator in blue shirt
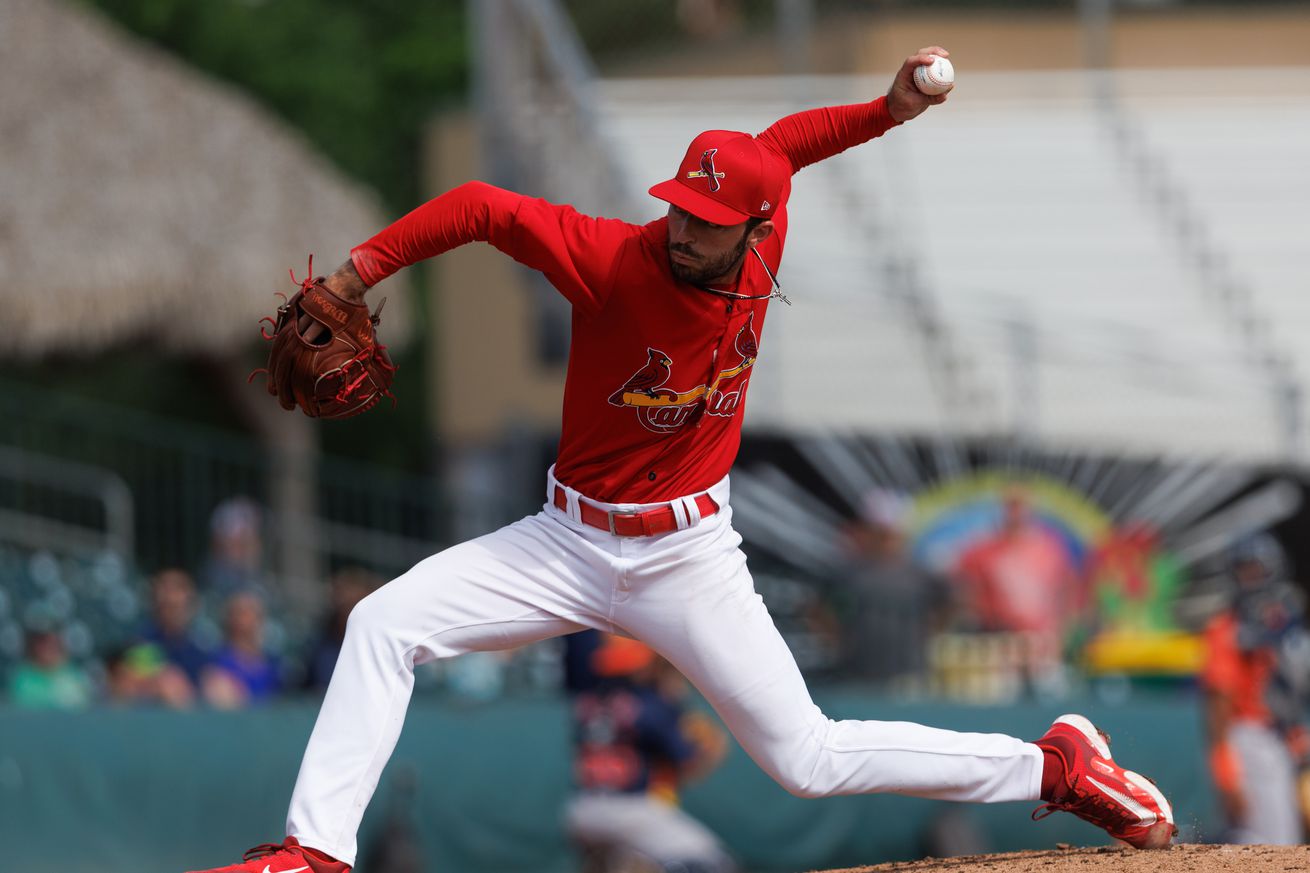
{"x":171,"y":623}
{"x":241,"y":672}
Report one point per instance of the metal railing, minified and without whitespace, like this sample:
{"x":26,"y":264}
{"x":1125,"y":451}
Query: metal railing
{"x":168,"y":476}
{"x":51,"y":503}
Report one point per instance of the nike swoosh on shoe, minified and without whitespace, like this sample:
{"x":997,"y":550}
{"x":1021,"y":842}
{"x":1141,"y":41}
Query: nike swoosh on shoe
{"x":1145,"y":816}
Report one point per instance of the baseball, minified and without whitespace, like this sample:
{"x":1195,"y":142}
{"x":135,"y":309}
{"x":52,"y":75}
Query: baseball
{"x":935,"y":78}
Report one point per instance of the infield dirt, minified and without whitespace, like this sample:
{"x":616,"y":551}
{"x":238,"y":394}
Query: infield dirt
{"x":1176,"y":859}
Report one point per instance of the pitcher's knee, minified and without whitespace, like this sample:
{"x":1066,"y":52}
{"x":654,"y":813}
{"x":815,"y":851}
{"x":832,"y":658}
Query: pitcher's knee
{"x":795,"y":773}
{"x":799,"y":785}
{"x":798,"y":766}
{"x":371,"y":618}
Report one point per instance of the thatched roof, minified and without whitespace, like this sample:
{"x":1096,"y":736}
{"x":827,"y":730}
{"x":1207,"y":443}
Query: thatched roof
{"x":139,"y":197}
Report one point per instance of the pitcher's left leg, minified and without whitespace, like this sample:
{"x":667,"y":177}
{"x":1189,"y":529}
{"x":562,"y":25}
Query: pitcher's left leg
{"x":695,"y":604}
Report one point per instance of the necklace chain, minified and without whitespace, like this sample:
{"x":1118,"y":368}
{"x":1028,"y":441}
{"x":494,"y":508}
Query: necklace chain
{"x":775,"y":293}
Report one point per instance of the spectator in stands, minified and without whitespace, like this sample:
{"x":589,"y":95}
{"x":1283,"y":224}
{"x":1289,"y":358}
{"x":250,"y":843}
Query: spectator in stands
{"x":888,"y":607}
{"x":1255,"y":678}
{"x":346,"y":588}
{"x":241,"y":671}
{"x":171,"y":623}
{"x":141,"y":674}
{"x":636,"y":744}
{"x":1023,"y":581}
{"x":236,"y":549}
{"x":47,"y":678}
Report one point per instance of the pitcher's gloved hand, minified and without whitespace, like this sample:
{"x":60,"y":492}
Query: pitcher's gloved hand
{"x":326,"y":357}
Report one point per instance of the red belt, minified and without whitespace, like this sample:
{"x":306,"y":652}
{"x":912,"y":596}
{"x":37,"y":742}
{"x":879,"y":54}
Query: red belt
{"x":646,"y":523}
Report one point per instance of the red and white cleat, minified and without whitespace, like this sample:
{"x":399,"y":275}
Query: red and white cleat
{"x":289,"y":857}
{"x":1093,"y":787}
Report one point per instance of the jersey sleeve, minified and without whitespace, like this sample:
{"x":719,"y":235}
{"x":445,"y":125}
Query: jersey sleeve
{"x":808,"y":137}
{"x":576,"y":252}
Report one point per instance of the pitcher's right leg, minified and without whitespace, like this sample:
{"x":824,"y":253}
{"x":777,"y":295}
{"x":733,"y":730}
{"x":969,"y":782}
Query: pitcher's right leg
{"x":528,"y":581}
{"x":515,"y":586}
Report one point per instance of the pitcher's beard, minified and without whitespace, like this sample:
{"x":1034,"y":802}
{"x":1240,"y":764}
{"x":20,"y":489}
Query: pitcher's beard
{"x":708,"y":271}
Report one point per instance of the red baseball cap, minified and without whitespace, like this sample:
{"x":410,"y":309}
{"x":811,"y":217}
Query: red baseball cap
{"x":727,"y":177}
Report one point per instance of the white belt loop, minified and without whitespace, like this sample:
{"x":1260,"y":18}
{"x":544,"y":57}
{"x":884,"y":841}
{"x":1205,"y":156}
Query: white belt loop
{"x":680,"y":514}
{"x":571,"y":506}
{"x":571,"y":496}
{"x":686,"y":509}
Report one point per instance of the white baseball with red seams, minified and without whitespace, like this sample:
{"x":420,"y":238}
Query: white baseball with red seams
{"x":935,"y":78}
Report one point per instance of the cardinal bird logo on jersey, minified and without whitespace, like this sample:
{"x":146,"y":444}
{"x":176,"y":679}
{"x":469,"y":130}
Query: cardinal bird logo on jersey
{"x":664,"y":410}
{"x":707,"y":170}
{"x":745,"y":343}
{"x":654,"y":374}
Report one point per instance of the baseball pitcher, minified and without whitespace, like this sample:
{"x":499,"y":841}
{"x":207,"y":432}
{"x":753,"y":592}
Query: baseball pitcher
{"x":635,"y":536}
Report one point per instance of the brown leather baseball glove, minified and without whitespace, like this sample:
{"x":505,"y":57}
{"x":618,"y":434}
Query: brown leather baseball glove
{"x":326,"y":357}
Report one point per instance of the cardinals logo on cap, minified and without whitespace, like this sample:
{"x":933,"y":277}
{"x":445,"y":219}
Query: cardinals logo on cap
{"x":707,"y":170}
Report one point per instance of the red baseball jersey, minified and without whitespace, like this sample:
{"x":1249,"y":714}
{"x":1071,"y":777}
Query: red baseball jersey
{"x":658,"y":369}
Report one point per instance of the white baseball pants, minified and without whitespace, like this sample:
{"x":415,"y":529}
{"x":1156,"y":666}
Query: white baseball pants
{"x":1273,"y":816}
{"x":688,"y":595}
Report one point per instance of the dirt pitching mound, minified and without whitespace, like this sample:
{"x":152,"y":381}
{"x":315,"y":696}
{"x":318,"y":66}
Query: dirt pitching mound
{"x":1176,"y":859}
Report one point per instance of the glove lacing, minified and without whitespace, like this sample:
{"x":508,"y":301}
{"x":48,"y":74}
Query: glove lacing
{"x":371,"y":354}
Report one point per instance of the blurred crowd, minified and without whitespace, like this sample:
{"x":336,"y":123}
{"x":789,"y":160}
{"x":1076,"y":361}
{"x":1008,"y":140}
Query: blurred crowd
{"x":176,"y":661}
{"x":991,"y":621}
{"x":1007,"y":611}
{"x":205,"y":637}
{"x":1011,"y":610}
